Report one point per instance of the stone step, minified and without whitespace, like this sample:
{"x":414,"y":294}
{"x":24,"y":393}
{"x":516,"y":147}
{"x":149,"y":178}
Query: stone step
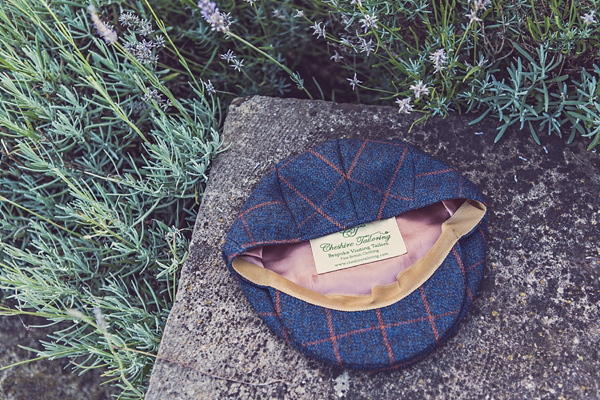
{"x":532,"y":331}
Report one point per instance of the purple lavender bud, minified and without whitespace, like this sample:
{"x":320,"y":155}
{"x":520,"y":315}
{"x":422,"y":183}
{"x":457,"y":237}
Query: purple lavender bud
{"x":217,"y":20}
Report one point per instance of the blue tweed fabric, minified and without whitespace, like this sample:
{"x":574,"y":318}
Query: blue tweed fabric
{"x":338,"y":185}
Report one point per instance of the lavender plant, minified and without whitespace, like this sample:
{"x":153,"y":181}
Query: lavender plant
{"x":527,"y":101}
{"x":102,"y":169}
{"x":427,"y":57}
{"x":509,"y":60}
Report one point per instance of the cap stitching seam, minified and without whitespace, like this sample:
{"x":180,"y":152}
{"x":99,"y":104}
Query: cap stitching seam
{"x":346,"y":176}
{"x":277,"y":171}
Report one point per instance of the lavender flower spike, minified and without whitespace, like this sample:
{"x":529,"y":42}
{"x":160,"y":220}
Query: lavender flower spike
{"x":218,"y":21}
{"x":439,"y":60}
{"x":104,"y":30}
{"x":404,"y":105}
{"x":419,"y":89}
{"x":354,"y":81}
{"x":588,"y":18}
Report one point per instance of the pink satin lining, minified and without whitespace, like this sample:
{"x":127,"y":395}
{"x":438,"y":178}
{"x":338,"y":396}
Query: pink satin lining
{"x":420,"y":229}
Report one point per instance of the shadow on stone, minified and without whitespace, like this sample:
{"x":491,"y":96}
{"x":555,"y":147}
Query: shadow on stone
{"x":44,"y":379}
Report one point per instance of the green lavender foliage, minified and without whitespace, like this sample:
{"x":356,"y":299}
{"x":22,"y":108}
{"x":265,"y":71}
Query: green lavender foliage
{"x":527,"y":101}
{"x":99,"y":180}
{"x":528,"y":64}
{"x":429,"y":57}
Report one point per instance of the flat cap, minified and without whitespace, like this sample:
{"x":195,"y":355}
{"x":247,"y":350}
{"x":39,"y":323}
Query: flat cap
{"x":381,"y":296}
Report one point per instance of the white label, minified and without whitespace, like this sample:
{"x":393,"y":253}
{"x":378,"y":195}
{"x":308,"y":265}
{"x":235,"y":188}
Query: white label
{"x":362,"y":244}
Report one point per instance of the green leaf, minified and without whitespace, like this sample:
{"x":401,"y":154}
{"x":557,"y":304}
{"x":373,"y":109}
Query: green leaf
{"x":471,"y":72}
{"x":545,"y":91}
{"x":482,"y":116}
{"x":533,"y":133}
{"x":523,"y":52}
{"x":558,"y":79}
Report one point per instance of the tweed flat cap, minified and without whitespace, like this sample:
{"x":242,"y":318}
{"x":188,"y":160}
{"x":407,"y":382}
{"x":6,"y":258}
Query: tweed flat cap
{"x":312,"y":260}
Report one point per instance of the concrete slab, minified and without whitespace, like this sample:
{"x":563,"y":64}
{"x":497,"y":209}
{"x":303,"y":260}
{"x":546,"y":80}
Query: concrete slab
{"x":533,"y":329}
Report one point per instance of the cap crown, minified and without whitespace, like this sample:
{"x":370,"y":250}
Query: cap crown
{"x":341,"y":184}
